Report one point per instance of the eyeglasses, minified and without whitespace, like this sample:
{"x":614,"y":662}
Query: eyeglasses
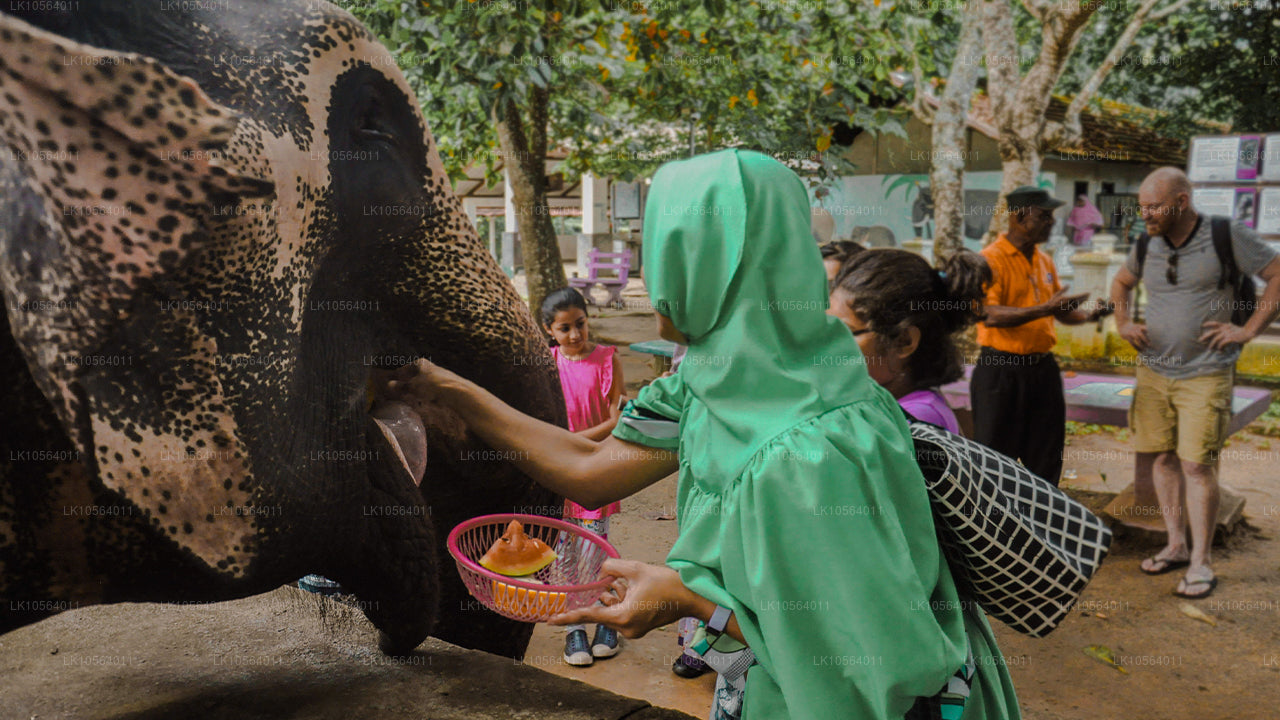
{"x":1171,"y":270}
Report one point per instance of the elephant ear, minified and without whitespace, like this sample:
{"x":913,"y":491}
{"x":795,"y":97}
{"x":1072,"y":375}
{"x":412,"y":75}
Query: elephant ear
{"x":117,"y":174}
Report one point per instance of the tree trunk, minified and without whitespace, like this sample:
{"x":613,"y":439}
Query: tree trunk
{"x":1019,"y":103}
{"x":526,"y":167}
{"x":946,"y":176}
{"x":1069,"y":131}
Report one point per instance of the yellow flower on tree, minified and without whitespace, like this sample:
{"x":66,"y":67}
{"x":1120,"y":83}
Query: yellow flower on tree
{"x":733,"y":100}
{"x":751,"y":95}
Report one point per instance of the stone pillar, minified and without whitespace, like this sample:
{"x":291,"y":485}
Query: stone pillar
{"x":595,"y":204}
{"x":1098,"y":280}
{"x":1094,"y":271}
{"x":1105,"y":242}
{"x":511,"y":257}
{"x":596,"y":232}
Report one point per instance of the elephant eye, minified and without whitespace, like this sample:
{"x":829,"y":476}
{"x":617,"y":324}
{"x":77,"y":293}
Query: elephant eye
{"x":372,"y":124}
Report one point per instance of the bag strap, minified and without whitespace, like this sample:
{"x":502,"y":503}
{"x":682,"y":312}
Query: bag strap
{"x":1143,"y":241}
{"x":1221,"y":229}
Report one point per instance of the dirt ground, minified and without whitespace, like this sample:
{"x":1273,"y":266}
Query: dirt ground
{"x":1177,"y":667}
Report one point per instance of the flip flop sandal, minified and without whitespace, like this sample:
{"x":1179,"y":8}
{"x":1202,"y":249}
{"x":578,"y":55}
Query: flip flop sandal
{"x":1186,"y":585}
{"x":1164,"y":566}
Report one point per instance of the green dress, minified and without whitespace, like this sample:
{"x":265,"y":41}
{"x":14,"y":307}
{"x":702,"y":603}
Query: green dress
{"x":800,"y":503}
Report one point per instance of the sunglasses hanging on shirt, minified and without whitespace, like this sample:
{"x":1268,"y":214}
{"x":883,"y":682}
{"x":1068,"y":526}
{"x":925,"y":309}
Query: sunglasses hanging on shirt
{"x":1171,"y":268}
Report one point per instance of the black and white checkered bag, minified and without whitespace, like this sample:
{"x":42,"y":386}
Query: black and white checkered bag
{"x":1015,"y":543}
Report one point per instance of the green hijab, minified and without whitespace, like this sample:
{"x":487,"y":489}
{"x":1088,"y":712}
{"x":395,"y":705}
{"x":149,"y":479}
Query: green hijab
{"x":781,"y":433}
{"x":763,"y":354}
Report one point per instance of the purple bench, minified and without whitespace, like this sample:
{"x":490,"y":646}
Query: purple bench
{"x":1105,"y":399}
{"x":617,"y":263}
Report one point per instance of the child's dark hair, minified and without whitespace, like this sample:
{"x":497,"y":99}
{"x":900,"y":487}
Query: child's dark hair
{"x":840,"y":250}
{"x":561,"y":299}
{"x":892,"y":290}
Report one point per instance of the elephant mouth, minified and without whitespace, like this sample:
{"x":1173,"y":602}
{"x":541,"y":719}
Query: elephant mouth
{"x":405,"y":432}
{"x":407,"y":420}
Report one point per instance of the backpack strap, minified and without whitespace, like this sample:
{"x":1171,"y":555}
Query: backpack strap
{"x":1143,"y":241}
{"x":1221,"y":229}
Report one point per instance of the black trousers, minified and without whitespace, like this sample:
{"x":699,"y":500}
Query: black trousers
{"x":1018,"y":409}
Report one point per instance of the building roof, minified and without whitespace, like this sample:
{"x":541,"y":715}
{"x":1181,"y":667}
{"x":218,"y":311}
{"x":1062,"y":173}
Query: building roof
{"x":1110,"y":132}
{"x":474,"y":185}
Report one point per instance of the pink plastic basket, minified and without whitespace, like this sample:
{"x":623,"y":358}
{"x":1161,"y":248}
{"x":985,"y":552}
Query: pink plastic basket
{"x":573,"y":581}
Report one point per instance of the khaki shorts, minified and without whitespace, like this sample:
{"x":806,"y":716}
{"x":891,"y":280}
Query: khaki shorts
{"x":1190,"y":416}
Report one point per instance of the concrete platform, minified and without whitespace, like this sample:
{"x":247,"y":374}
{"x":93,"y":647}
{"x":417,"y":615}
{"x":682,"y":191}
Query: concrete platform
{"x":285,"y":654}
{"x":1141,"y":517}
{"x":1105,"y":399}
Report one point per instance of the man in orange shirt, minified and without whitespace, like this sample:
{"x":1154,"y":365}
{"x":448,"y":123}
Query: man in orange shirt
{"x":1016,"y":391}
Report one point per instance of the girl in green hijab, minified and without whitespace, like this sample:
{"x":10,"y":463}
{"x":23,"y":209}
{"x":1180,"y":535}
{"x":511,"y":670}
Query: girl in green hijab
{"x":802,"y":510}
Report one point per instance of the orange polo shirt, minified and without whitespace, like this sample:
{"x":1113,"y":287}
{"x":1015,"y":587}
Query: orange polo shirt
{"x":1018,"y":282}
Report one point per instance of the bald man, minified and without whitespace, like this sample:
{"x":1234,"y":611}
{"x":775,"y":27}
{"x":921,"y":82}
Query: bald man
{"x":1187,"y":351}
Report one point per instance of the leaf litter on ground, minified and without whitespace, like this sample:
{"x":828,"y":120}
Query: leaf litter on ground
{"x":1103,"y":654}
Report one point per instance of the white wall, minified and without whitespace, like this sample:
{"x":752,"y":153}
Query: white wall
{"x":1126,"y":176}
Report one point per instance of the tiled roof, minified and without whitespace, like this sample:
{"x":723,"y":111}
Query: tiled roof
{"x":1110,"y":132}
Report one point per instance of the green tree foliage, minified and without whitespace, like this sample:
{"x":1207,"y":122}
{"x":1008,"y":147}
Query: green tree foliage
{"x":629,"y":81}
{"x":788,"y":79}
{"x":1215,"y":61}
{"x":617,"y":83}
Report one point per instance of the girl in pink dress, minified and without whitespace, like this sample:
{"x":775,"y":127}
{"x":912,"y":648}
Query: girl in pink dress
{"x":591,"y":378}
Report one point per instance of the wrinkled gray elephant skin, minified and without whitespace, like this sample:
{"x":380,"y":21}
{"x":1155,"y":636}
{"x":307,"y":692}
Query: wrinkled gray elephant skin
{"x":220,"y":225}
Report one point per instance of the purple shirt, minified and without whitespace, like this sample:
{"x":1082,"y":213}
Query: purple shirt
{"x":928,"y":406}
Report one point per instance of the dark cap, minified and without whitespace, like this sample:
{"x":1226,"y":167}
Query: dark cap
{"x":1029,"y":196}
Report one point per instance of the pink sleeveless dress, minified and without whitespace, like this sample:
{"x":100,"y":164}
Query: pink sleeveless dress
{"x":586,"y":384}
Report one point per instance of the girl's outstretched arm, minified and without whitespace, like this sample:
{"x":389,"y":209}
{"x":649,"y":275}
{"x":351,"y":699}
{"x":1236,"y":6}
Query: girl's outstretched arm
{"x":592,"y":474}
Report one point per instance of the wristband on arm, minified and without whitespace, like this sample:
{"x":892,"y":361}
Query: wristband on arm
{"x":732,"y":659}
{"x":718,"y":622}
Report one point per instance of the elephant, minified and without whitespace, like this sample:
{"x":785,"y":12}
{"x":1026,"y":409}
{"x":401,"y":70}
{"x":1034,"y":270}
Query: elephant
{"x":979,"y":206}
{"x":873,"y":236}
{"x":223,"y":226}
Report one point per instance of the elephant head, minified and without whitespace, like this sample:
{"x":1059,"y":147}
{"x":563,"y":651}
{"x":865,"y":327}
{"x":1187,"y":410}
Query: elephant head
{"x":219,"y":223}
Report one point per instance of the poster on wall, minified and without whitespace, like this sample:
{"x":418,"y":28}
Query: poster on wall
{"x":1214,"y":201}
{"x":1268,"y":211}
{"x":1270,"y":158}
{"x":1246,"y":206}
{"x":1213,"y":159}
{"x":1247,"y":160}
